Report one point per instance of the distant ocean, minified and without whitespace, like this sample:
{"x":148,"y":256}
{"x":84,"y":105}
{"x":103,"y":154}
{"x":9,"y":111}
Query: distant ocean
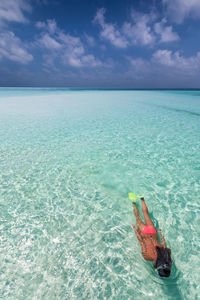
{"x":68,"y":159}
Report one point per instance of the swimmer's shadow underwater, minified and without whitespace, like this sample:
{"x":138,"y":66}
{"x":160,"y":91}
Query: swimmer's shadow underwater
{"x":154,"y":249}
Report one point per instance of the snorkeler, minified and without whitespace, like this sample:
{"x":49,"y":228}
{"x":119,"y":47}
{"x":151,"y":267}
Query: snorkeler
{"x":148,"y":238}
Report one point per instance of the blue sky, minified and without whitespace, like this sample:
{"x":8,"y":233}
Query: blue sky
{"x":100,"y":43}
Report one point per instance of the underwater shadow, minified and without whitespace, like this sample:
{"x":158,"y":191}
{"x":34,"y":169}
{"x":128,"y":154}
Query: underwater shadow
{"x":170,"y":286}
{"x":180,"y":110}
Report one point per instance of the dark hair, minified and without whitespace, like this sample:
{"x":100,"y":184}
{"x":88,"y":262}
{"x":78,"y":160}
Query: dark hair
{"x":163,"y":262}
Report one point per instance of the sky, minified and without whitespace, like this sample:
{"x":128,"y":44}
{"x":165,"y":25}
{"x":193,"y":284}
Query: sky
{"x":100,"y":43}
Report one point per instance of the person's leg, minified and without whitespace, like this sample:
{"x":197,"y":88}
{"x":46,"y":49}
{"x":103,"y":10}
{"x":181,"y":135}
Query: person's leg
{"x":147,"y":218}
{"x":139,"y":222}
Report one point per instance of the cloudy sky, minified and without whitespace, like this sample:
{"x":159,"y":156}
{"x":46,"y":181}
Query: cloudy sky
{"x":100,"y":43}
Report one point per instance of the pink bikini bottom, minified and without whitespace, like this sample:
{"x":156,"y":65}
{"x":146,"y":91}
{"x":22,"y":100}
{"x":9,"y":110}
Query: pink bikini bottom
{"x":148,"y":230}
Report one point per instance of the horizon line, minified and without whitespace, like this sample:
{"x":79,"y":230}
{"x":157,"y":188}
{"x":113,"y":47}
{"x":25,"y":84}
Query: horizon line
{"x":94,"y":88}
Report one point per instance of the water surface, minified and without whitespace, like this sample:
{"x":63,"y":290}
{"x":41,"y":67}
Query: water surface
{"x":68,"y":160}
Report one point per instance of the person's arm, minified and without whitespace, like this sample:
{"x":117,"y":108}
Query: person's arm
{"x":162,"y":238}
{"x":142,"y":244}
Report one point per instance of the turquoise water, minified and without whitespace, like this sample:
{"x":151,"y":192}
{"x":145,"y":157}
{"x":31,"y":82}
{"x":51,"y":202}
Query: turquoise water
{"x":67,"y":162}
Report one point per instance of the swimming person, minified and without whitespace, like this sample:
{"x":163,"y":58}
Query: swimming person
{"x":148,"y":238}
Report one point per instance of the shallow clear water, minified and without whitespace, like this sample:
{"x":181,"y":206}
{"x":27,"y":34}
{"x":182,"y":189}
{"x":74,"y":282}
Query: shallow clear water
{"x":67,"y":163}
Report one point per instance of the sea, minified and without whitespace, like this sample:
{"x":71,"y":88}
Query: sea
{"x":68,"y":159}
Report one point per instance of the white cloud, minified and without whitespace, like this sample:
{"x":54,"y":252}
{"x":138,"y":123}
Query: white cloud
{"x":48,"y":42}
{"x":166,"y":32}
{"x":64,"y":47}
{"x":74,"y":52}
{"x":12,"y":48}
{"x":40,"y":24}
{"x":140,"y":31}
{"x":178,"y":10}
{"x":176,"y":60}
{"x":99,"y":18}
{"x":90,"y":40}
{"x":49,"y":26}
{"x":85,"y":60}
{"x":137,"y":32}
{"x":165,"y":64}
{"x":114,"y":36}
{"x":90,"y":60}
{"x":164,"y":57}
{"x":109,"y":31}
{"x":13,"y":11}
